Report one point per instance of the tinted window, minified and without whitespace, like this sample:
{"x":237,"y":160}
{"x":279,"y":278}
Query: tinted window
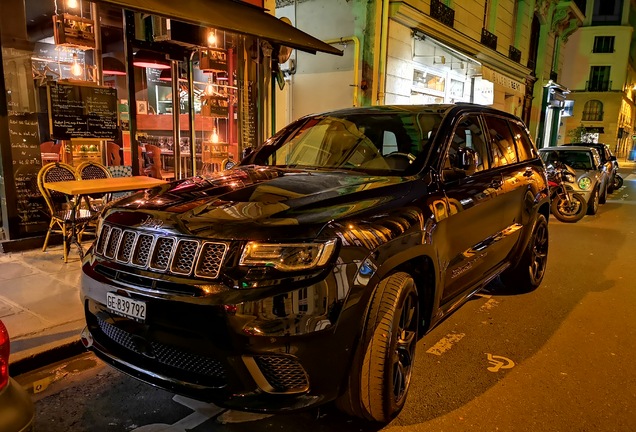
{"x":503,"y":146}
{"x":525,"y":148}
{"x":577,"y":159}
{"x":468,"y":134}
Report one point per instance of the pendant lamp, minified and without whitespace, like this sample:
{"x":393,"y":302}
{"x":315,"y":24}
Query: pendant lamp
{"x":112,"y":66}
{"x":150,"y":59}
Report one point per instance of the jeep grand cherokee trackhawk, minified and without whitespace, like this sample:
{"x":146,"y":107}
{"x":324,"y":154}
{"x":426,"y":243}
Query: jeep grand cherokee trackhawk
{"x":282,"y":283}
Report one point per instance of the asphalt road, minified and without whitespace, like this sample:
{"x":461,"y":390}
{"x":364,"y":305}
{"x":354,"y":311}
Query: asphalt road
{"x":560,"y":358}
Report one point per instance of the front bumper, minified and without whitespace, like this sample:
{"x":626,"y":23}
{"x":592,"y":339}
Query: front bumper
{"x":270,"y":353}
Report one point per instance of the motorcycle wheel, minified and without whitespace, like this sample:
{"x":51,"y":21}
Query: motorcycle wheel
{"x":569,"y":213}
{"x":618,"y":182}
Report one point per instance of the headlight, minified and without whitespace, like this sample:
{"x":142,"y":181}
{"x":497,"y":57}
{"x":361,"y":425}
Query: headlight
{"x":288,"y":256}
{"x":585,"y":183}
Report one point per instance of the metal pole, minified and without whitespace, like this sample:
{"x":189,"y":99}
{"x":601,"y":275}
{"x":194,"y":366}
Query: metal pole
{"x":129,"y":36}
{"x":176,"y":120}
{"x":193,"y":147}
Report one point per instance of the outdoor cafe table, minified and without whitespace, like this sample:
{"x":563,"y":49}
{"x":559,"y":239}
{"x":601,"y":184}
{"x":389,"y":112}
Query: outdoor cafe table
{"x":80,"y":189}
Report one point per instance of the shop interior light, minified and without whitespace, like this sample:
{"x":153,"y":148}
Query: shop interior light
{"x":112,"y":66}
{"x":150,"y":59}
{"x":211,"y":38}
{"x":209,"y":88}
{"x":215,"y":136}
{"x":76,"y":68}
{"x":72,"y":4}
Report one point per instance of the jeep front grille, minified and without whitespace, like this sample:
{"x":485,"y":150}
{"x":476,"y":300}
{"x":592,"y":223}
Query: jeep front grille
{"x":161,"y":253}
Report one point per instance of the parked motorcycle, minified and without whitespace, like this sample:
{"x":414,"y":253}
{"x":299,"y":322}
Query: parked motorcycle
{"x":566,"y":206}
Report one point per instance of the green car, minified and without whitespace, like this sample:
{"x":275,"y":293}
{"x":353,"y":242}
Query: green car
{"x":16,"y":407}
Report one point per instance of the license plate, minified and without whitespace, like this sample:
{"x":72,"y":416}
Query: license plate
{"x":127,"y":307}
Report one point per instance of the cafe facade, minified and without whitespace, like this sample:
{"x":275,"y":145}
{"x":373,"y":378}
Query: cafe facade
{"x":108,"y":81}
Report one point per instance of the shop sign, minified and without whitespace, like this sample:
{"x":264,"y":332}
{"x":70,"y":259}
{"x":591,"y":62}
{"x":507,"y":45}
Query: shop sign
{"x":484,"y":92}
{"x":503,"y":80}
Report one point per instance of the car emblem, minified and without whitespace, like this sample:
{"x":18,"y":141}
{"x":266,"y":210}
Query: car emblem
{"x":152,"y":223}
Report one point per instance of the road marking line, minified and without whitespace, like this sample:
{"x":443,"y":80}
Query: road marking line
{"x":445,"y":343}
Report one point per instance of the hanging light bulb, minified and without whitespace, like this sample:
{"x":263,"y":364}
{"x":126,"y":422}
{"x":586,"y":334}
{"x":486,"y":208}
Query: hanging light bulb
{"x":209,"y":89}
{"x":215,"y":136}
{"x":211,"y":38}
{"x":72,"y":4}
{"x":76,"y":68}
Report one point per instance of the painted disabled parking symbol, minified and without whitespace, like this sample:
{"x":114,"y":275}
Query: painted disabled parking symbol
{"x":499,"y":362}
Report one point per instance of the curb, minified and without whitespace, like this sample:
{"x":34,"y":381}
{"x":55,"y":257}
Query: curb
{"x":45,"y":358}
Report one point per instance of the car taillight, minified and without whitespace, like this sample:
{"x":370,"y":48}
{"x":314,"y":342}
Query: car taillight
{"x":4,"y":355}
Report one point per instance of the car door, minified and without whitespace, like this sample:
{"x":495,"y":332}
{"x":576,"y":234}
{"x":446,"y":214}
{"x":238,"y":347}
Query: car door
{"x":474,"y":218}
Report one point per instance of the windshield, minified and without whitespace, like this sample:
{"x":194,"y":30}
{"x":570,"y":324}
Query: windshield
{"x":576,"y":159}
{"x":391,"y":143}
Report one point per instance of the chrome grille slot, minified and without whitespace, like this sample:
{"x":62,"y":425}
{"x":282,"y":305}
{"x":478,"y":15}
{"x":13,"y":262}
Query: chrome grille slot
{"x":184,"y":256}
{"x":210,"y":260}
{"x":102,"y":239}
{"x":161,"y":253}
{"x":142,"y":250}
{"x":113,"y":243}
{"x":126,"y":246}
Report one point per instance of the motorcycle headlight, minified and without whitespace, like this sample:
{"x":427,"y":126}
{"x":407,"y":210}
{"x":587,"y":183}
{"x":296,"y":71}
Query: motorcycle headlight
{"x":585,"y":183}
{"x":288,"y":256}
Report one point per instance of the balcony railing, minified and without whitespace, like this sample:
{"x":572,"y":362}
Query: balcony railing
{"x":442,"y":13}
{"x":514,"y":54}
{"x":488,"y":39}
{"x":598,"y":86}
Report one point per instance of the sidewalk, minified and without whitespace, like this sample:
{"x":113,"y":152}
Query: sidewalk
{"x":40,"y":305}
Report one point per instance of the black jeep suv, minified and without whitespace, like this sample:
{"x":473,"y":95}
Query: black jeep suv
{"x":305,"y":274}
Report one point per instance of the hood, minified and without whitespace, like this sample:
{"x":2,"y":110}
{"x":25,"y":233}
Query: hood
{"x":258,"y":202}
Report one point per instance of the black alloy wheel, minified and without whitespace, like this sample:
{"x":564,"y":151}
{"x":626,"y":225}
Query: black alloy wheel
{"x":528,"y":273}
{"x":381,"y":375}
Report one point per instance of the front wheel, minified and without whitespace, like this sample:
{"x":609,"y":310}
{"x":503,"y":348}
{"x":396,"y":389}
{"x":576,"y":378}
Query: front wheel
{"x":568,"y":211}
{"x":381,"y":374}
{"x":529,"y":272}
{"x":592,"y":206}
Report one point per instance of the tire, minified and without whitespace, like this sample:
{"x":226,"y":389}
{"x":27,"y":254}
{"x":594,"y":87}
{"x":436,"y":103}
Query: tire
{"x":602,"y":199}
{"x":618,"y":183}
{"x":528,"y":273}
{"x":569,"y":213}
{"x":592,"y":206}
{"x":610,"y":186}
{"x":379,"y":379}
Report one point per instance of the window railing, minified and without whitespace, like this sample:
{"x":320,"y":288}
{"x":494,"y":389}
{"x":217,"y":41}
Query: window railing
{"x":598,"y":86}
{"x":592,"y":116}
{"x":514,"y":54}
{"x":442,"y":13}
{"x":488,"y":39}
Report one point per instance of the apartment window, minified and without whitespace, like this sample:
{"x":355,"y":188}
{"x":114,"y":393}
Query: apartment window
{"x":599,"y":78}
{"x":604,"y":44}
{"x":593,"y":111}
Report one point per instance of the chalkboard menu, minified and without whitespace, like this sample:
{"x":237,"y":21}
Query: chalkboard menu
{"x":79,"y":111}
{"x":25,"y":150}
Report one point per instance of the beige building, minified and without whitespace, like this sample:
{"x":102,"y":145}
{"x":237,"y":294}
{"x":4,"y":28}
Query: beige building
{"x":502,"y":53}
{"x":599,"y":71}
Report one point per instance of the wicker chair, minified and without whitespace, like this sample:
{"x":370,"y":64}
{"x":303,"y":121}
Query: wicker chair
{"x":120,"y":171}
{"x":58,"y":205}
{"x":92,"y":170}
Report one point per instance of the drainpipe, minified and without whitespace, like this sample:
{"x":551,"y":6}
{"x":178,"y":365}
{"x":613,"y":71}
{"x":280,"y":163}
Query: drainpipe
{"x":356,"y":62}
{"x":384,"y":41}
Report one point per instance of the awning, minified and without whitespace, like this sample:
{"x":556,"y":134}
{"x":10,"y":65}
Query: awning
{"x":230,"y":16}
